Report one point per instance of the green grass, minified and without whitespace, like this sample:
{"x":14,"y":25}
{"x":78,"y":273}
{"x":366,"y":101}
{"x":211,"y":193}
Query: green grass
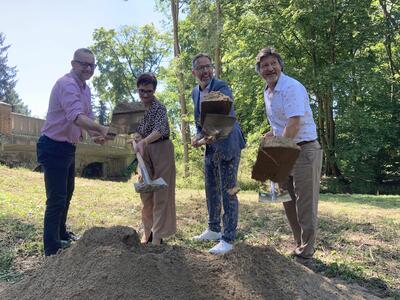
{"x":358,"y":239}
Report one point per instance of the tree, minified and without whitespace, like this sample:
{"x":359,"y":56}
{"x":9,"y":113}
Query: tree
{"x":122,"y":55}
{"x":337,"y":49}
{"x":102,"y":113}
{"x":185,"y":130}
{"x":8,"y":81}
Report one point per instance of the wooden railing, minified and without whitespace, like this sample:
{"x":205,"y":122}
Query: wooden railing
{"x":29,"y":126}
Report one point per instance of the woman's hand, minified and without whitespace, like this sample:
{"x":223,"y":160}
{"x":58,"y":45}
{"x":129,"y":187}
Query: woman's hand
{"x":137,"y":137}
{"x":140,"y":146}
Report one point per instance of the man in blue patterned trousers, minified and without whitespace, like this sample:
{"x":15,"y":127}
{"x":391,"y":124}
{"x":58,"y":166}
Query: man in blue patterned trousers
{"x":221,"y":162}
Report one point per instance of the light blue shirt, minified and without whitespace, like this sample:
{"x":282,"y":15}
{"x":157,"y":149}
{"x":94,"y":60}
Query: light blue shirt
{"x":290,"y":99}
{"x":204,"y":92}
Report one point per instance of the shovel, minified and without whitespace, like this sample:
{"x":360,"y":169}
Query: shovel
{"x":148,"y":185}
{"x":217,"y":126}
{"x":273,"y":196}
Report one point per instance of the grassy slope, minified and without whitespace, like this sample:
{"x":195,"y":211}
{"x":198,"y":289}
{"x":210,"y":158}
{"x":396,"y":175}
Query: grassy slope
{"x":359,"y":235}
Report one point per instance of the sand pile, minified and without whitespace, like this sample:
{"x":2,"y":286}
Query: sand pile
{"x":109,"y":263}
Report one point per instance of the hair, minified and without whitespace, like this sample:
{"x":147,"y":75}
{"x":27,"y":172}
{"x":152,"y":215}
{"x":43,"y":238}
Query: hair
{"x":265,"y":52}
{"x":194,"y":60}
{"x":147,"y":78}
{"x":85,"y":50}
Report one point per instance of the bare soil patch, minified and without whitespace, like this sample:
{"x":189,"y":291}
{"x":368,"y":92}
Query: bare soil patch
{"x":110,"y":263}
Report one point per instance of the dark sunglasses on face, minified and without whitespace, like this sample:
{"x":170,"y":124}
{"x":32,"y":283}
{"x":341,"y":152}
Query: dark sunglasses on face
{"x":85,"y":64}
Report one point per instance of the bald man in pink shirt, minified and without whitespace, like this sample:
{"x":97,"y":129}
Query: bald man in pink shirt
{"x":69,"y":113}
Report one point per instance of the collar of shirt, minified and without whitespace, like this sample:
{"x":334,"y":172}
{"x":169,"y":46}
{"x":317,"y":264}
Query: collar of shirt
{"x":280,"y":84}
{"x":205,"y":91}
{"x":207,"y":88}
{"x":78,"y":81}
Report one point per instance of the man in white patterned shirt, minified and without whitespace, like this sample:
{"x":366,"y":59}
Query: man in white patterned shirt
{"x":289,"y":114}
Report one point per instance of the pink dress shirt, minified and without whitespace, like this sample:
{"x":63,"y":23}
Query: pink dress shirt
{"x":69,"y":98}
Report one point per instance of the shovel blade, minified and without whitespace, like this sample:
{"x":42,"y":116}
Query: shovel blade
{"x":273,"y":198}
{"x":219,"y":126}
{"x":150,"y":187}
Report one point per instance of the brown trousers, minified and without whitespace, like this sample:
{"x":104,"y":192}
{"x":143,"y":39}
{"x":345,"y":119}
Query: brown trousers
{"x":158,"y":211}
{"x":303,"y":186}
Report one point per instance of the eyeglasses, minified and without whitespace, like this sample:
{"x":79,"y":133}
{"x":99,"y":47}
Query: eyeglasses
{"x":204,"y":68}
{"x":85,"y":64}
{"x":143,"y":91}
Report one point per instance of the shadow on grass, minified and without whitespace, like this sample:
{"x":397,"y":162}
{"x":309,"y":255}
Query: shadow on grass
{"x":17,"y":238}
{"x":333,"y":232}
{"x":378,"y":201}
{"x":352,"y":274}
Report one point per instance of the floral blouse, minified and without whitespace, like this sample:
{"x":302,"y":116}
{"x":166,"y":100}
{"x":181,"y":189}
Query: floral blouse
{"x":155,"y":119}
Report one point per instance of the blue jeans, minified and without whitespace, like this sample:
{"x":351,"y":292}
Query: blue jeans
{"x":220,"y":177}
{"x":58,"y":162}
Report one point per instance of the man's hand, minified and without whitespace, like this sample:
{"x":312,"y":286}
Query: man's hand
{"x":200,"y":140}
{"x":104,"y":131}
{"x":268,"y":135}
{"x":210,"y":139}
{"x":197,"y":140}
{"x":99,"y":140}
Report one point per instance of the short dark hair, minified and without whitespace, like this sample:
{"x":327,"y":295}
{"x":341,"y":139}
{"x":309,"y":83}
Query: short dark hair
{"x":194,"y":60}
{"x":147,"y":78}
{"x":84,"y":50}
{"x":269,"y":51}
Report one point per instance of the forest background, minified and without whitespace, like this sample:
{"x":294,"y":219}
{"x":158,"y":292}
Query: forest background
{"x":346,"y":53}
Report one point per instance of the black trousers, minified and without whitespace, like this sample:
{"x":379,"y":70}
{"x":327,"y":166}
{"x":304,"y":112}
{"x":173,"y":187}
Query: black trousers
{"x":58,"y":162}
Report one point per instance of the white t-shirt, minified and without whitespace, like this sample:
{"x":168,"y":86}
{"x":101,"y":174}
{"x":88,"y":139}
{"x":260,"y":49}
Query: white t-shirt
{"x":290,"y":99}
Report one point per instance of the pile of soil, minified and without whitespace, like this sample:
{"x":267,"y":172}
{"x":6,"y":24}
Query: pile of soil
{"x":110,"y":263}
{"x":216,"y":96}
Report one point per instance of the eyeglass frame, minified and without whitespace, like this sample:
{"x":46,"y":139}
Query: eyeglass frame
{"x":203,"y":68}
{"x":143,"y":91}
{"x":85,"y":64}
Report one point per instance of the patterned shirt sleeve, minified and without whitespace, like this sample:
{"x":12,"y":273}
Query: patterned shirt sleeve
{"x":161,"y":121}
{"x":155,"y":119}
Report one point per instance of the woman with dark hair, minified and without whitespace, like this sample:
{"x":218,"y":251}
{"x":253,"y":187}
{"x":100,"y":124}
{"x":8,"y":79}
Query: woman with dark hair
{"x":157,"y":150}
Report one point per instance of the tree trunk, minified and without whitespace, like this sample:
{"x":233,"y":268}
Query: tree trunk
{"x":185,"y":130}
{"x":217,"y":40}
{"x":390,"y":29}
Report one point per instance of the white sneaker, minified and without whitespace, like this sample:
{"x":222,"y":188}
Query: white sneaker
{"x":208,"y":235}
{"x":221,"y":248}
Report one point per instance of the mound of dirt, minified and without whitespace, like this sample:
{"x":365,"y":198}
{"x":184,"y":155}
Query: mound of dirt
{"x":110,"y":263}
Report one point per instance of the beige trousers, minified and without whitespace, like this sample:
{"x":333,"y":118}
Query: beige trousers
{"x":158,"y":211}
{"x":303,"y":186}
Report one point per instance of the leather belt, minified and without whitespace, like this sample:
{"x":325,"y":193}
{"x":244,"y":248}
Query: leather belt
{"x":305,"y":142}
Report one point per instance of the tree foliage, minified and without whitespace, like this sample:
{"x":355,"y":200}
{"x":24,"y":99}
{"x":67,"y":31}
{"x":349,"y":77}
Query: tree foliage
{"x":8,"y":81}
{"x":123,"y":55}
{"x":346,"y":53}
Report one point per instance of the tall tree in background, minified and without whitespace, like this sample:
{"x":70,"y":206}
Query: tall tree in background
{"x":219,"y":28}
{"x":102,"y":113}
{"x":337,"y":49}
{"x":8,"y":81}
{"x":185,"y":130}
{"x":122,"y":55}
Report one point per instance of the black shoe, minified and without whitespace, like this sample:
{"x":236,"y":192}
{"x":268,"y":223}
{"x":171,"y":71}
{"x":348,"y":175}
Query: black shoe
{"x":65,"y":244}
{"x":69,"y":236}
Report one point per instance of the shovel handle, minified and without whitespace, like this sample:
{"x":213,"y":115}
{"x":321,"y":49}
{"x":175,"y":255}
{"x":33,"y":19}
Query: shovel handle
{"x":142,"y":165}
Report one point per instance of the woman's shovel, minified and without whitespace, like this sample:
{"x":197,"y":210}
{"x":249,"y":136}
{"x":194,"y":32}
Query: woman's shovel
{"x":147,"y":185}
